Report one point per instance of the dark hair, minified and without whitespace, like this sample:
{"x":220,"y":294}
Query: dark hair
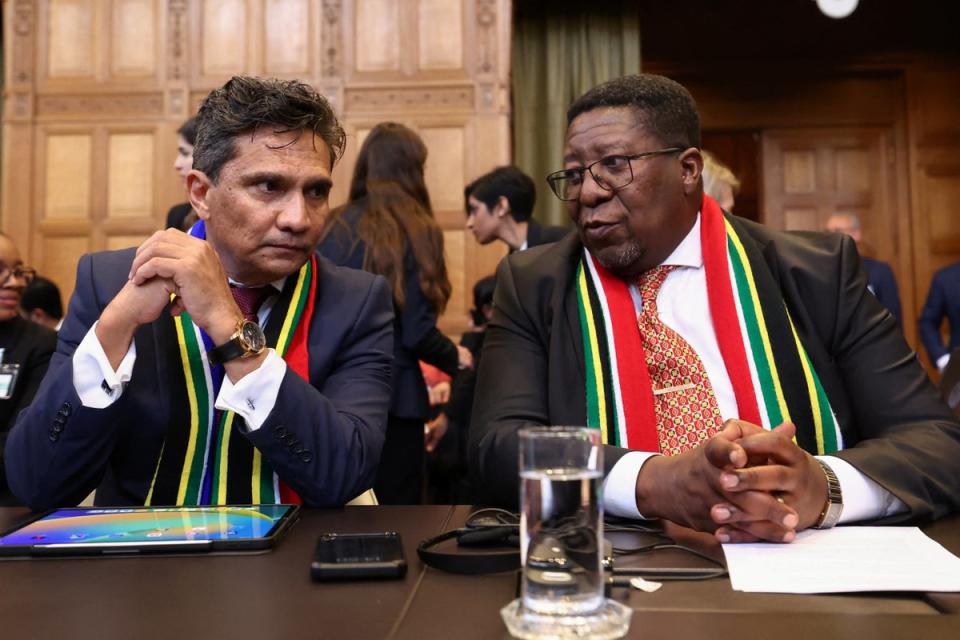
{"x":42,"y":294}
{"x":482,"y":295}
{"x":398,"y":215}
{"x":663,"y":106}
{"x":244,"y":104}
{"x":189,"y":131}
{"x":509,"y":182}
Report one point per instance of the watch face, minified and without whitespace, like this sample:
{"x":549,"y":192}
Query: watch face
{"x":252,"y":338}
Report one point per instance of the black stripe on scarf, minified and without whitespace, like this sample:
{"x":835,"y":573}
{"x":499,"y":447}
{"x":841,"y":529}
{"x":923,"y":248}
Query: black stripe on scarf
{"x":240,"y":456}
{"x":170,"y":466}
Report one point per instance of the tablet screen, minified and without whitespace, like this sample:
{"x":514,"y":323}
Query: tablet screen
{"x":146,"y":525}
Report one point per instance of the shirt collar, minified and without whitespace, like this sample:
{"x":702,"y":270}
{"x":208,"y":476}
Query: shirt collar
{"x":689,"y":253}
{"x":276,"y":284}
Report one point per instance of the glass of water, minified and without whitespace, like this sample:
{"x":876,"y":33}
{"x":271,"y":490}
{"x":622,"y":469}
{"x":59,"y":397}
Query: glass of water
{"x":561,"y":539}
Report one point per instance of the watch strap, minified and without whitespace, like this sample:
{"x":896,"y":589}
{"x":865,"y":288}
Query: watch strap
{"x":233,"y":348}
{"x":830,"y":515}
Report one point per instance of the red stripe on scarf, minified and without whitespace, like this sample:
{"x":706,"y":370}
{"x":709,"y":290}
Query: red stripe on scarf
{"x":723,"y":309}
{"x":298,"y":359}
{"x":636,"y":390}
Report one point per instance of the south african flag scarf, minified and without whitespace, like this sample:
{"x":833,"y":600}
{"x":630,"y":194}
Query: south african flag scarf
{"x":772,"y":376}
{"x":205,"y":459}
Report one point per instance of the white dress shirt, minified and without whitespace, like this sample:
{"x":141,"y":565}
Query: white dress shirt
{"x":252,"y":397}
{"x":682,"y":305}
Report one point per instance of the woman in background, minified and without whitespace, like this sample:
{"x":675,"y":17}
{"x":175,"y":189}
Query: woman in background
{"x":388,"y":228}
{"x":181,"y":216}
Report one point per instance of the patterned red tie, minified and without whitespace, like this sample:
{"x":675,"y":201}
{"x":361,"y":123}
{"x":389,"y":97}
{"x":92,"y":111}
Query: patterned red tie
{"x":686,"y":408}
{"x":249,"y":299}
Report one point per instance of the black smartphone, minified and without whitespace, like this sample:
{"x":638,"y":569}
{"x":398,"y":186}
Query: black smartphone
{"x":347,"y":556}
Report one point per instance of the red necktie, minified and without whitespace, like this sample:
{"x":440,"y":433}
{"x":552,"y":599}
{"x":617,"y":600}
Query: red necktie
{"x":684,"y":402}
{"x":249,"y":299}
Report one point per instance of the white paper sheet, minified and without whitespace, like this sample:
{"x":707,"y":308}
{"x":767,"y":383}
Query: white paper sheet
{"x":845,"y":559}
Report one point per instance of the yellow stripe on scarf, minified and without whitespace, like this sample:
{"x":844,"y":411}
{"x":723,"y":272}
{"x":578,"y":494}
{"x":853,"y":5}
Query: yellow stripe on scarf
{"x":224,"y":455}
{"x":194,"y":412}
{"x":755,"y":299}
{"x":595,"y":356}
{"x":811,"y":388}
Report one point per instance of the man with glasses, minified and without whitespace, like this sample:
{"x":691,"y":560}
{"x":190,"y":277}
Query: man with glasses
{"x":25,"y":347}
{"x":779,"y":392}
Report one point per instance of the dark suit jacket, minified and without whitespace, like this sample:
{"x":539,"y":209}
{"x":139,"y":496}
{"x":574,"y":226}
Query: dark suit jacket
{"x":881,"y":282}
{"x":59,"y":450}
{"x":898,"y":431}
{"x":538,"y":234}
{"x":29,"y":345}
{"x":415,"y":326}
{"x":943,"y":301}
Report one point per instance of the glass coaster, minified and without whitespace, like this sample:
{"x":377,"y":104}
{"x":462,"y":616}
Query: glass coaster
{"x":609,"y":622}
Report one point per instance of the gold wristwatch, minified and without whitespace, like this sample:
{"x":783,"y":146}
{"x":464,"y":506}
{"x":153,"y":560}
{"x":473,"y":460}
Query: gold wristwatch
{"x":248,"y":340}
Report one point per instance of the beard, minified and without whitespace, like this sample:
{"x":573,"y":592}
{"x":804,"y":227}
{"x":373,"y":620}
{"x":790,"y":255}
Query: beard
{"x":619,"y":259}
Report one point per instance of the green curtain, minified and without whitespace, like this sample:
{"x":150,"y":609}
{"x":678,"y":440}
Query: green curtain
{"x":559,"y":51}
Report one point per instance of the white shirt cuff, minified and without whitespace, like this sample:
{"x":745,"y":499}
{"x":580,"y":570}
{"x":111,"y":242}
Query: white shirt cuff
{"x":942,"y":362}
{"x":620,"y":485}
{"x":94,"y":380}
{"x":863,"y":499}
{"x":255,"y":394}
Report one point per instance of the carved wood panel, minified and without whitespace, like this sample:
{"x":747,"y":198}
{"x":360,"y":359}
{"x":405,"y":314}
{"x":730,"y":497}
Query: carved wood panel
{"x":97,"y":88}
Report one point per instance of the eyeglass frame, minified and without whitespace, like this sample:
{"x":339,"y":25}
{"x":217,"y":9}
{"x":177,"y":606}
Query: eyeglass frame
{"x":551,"y":177}
{"x":20,"y":272}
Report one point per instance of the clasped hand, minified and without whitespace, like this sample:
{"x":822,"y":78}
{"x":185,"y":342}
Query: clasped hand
{"x":744,"y":484}
{"x":170,"y":262}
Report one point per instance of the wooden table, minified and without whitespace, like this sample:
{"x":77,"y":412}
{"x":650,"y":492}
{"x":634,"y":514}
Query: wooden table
{"x":270,"y":595}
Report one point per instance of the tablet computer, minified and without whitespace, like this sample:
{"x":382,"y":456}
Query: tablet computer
{"x":140,"y":530}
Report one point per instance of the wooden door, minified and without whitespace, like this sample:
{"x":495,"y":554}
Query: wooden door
{"x":811,"y":174}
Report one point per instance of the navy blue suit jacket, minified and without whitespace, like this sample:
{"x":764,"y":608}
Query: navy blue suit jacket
{"x":943,"y":301}
{"x":415,"y":328}
{"x":59,"y":450}
{"x":881,"y":283}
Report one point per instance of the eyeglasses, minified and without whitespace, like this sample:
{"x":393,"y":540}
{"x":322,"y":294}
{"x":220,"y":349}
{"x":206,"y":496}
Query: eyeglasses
{"x":610,"y":173}
{"x":20,"y":272}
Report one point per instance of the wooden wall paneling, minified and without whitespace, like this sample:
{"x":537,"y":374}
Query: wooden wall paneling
{"x":440,"y":35}
{"x":933,"y":105}
{"x":66,"y":174}
{"x":130,"y":175}
{"x":375,"y":34}
{"x":16,"y":195}
{"x":289,"y":36}
{"x":220,"y":40}
{"x":134,"y":39}
{"x":69,"y":38}
{"x":445,"y":172}
{"x":60,"y":254}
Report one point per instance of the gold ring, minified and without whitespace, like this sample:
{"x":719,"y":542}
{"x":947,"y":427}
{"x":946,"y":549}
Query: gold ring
{"x":779,"y":498}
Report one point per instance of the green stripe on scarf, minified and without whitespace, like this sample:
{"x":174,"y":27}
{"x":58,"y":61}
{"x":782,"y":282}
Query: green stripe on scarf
{"x":236,"y":470}
{"x":787,"y":380}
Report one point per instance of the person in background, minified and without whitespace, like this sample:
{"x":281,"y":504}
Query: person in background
{"x":41,"y":303}
{"x":182,"y":216}
{"x":880,"y":279}
{"x":499,"y":206}
{"x":743,"y":379}
{"x":26,"y":348}
{"x":447,"y":433}
{"x":719,"y":182}
{"x":228,"y":365}
{"x":388,"y":228}
{"x":943,"y":301}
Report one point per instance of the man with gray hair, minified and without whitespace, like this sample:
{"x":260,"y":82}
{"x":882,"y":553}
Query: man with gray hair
{"x":880,"y":279}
